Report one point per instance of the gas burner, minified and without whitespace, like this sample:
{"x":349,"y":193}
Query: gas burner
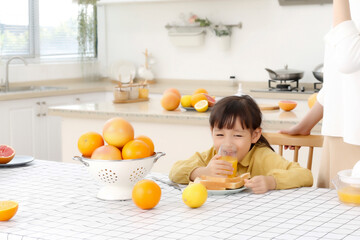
{"x":316,"y":86}
{"x":284,"y":85}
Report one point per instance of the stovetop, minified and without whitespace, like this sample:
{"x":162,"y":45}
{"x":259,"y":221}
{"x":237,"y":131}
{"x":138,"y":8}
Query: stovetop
{"x":287,"y":86}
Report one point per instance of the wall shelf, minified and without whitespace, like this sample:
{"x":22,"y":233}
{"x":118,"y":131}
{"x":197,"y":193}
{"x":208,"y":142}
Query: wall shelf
{"x":105,"y":2}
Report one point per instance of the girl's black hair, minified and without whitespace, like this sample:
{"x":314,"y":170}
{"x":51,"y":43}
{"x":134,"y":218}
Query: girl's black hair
{"x":227,"y":110}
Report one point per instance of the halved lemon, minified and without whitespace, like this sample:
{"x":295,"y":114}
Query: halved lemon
{"x":8,"y":209}
{"x":201,"y":106}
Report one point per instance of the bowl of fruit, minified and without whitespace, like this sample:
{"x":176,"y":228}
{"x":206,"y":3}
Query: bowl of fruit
{"x":119,"y":164}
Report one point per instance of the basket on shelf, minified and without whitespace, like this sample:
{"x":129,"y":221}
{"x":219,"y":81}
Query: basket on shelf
{"x":131,"y":92}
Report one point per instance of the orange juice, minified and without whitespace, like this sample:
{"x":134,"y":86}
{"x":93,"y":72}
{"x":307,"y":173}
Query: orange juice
{"x":233,"y":161}
{"x":349,"y":194}
{"x":143,"y":92}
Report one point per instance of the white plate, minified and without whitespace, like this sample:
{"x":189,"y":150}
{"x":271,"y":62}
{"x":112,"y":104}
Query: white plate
{"x":18,"y":160}
{"x":226,"y":192}
{"x":193,"y":109}
{"x":123,"y":71}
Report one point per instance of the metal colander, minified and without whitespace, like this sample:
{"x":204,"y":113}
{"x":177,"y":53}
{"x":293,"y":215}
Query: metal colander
{"x":118,"y":177}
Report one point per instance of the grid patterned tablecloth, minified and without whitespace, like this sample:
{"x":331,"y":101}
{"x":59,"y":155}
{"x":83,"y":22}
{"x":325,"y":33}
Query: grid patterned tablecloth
{"x":57,"y":201}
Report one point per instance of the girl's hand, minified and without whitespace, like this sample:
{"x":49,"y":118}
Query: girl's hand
{"x":217,"y":167}
{"x":261,"y":184}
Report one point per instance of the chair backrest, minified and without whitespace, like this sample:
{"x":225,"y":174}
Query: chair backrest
{"x":298,"y":141}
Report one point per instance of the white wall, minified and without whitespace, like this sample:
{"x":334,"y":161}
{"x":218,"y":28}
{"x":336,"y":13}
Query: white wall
{"x":272,"y":36}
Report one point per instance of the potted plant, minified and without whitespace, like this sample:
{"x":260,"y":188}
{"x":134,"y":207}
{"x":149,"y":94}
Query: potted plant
{"x":87,"y":38}
{"x":223,"y":34}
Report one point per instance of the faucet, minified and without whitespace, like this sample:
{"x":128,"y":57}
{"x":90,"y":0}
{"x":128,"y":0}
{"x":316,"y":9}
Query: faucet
{"x":6,"y":86}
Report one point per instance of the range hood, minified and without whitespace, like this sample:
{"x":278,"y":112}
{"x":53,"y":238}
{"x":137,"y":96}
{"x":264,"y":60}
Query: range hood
{"x":303,"y":2}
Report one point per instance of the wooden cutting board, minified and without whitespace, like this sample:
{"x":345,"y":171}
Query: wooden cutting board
{"x":264,"y":106}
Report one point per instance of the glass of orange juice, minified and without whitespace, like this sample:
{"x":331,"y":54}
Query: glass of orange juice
{"x":228,"y":153}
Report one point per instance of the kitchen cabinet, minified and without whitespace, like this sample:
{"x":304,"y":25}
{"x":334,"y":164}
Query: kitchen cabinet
{"x":103,"y":2}
{"x":302,"y":2}
{"x":27,"y":127}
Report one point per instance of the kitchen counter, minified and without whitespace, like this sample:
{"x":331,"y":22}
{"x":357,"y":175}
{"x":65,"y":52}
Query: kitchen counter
{"x":57,"y":201}
{"x":151,"y":111}
{"x":215,"y":88}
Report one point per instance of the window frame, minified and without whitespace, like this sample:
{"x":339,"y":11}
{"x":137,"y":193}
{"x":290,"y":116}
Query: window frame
{"x":34,"y":41}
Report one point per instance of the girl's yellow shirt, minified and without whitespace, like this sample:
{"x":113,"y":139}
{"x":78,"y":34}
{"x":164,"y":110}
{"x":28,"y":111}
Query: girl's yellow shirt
{"x":258,"y":161}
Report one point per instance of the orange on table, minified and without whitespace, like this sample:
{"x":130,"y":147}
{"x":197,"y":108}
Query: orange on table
{"x":170,"y":101}
{"x":117,"y":132}
{"x":287,"y":105}
{"x":88,"y":142}
{"x":8,"y":209}
{"x":146,"y":194}
{"x":200,"y":90}
{"x":197,"y":97}
{"x":107,"y":152}
{"x":148,"y":141}
{"x":136,"y":149}
{"x":172,"y":90}
{"x":7,"y":153}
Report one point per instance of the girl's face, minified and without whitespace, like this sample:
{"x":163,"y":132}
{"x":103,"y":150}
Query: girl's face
{"x":241,"y":138}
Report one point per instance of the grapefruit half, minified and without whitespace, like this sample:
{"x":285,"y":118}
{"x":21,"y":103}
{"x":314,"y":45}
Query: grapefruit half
{"x":7,"y":153}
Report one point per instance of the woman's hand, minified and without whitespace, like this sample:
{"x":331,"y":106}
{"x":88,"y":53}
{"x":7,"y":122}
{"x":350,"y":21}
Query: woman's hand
{"x":261,"y":184}
{"x":218,"y":167}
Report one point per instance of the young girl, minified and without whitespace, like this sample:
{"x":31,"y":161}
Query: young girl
{"x":237,"y":120}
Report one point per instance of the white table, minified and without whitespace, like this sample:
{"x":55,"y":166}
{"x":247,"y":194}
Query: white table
{"x":57,"y":201}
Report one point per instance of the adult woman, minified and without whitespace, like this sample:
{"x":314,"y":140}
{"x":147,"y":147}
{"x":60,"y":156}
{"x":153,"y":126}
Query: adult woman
{"x":338,"y":102}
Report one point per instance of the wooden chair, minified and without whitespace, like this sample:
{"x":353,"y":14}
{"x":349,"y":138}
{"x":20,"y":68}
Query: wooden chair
{"x":298,"y":141}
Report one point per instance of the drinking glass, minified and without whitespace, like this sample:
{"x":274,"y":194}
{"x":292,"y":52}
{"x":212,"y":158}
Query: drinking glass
{"x":228,"y":153}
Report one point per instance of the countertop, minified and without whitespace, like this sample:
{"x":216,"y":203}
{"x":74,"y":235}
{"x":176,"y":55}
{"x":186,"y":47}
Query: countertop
{"x":215,"y":88}
{"x":152,"y":111}
{"x":57,"y":201}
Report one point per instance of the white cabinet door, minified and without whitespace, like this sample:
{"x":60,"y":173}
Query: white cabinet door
{"x":51,"y":125}
{"x":30,"y":131}
{"x":19,"y":120}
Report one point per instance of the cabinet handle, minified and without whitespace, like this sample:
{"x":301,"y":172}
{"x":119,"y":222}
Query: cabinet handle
{"x":77,"y":99}
{"x":44,"y":103}
{"x":38,"y":103}
{"x":44,"y":114}
{"x":38,"y":115}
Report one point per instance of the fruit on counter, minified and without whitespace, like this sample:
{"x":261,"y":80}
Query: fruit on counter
{"x":148,"y":141}
{"x":136,"y":149}
{"x":117,"y":132}
{"x":107,"y":152}
{"x":88,"y":142}
{"x":194,"y":195}
{"x":196,"y":98}
{"x":186,"y":101}
{"x":146,"y":194}
{"x":8,"y":210}
{"x":312,"y":100}
{"x":287,"y":105}
{"x":202,"y":106}
{"x":170,"y":101}
{"x":7,"y":153}
{"x":172,"y":90}
{"x":200,"y":90}
{"x":210,"y":99}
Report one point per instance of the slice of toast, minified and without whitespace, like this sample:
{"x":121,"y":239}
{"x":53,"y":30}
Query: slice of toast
{"x":223,"y":183}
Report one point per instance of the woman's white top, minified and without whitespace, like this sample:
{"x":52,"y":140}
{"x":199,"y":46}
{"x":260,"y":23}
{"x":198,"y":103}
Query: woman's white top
{"x":340,"y":94}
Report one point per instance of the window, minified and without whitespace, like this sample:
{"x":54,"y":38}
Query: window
{"x":39,"y":28}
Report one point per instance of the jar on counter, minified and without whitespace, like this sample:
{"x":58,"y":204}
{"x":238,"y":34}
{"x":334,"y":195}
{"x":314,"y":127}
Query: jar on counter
{"x":144,"y":91}
{"x":121,"y":94}
{"x":134,"y":92}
